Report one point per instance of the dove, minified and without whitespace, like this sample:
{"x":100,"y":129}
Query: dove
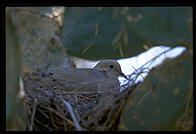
{"x":85,"y":89}
{"x":102,"y":77}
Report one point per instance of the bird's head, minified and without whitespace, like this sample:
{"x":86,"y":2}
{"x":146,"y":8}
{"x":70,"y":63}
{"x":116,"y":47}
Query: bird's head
{"x":110,"y":67}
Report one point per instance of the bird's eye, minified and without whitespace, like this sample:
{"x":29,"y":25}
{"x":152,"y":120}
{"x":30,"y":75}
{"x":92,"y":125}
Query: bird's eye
{"x":111,"y":66}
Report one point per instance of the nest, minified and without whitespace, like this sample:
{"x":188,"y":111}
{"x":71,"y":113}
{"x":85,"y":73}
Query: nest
{"x":76,"y":110}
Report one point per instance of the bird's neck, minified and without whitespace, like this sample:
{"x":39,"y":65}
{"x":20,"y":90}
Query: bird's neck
{"x":112,"y":75}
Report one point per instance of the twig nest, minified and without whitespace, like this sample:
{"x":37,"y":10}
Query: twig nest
{"x":74,"y":99}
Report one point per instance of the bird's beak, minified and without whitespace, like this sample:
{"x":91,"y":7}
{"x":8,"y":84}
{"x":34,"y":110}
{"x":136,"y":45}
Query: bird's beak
{"x":123,"y":75}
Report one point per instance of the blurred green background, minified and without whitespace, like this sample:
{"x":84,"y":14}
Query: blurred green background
{"x":46,"y":37}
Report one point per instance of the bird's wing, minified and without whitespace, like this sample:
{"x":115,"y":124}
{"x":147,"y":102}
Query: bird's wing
{"x":69,"y":80}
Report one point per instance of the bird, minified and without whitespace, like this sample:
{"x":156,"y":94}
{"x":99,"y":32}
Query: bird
{"x":85,"y":82}
{"x":105,"y":73}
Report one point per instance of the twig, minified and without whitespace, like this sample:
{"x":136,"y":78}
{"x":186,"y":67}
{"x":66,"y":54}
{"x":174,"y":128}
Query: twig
{"x":72,"y":115}
{"x":155,"y":57}
{"x":33,"y":115}
{"x":138,"y":72}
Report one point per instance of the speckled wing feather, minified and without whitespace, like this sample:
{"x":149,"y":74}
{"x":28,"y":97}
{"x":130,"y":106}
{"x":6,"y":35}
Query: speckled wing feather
{"x":69,"y":80}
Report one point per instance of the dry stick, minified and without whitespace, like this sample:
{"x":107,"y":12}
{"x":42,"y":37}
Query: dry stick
{"x":60,"y":115}
{"x":148,"y":62}
{"x":143,"y":78}
{"x":43,"y":112}
{"x":155,"y":57}
{"x":72,"y":115}
{"x":132,"y":80}
{"x":138,"y":72}
{"x":81,"y":119}
{"x":41,"y":124}
{"x":33,"y":115}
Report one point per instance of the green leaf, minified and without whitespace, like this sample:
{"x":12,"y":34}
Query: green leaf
{"x":163,"y":98}
{"x":108,"y":32}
